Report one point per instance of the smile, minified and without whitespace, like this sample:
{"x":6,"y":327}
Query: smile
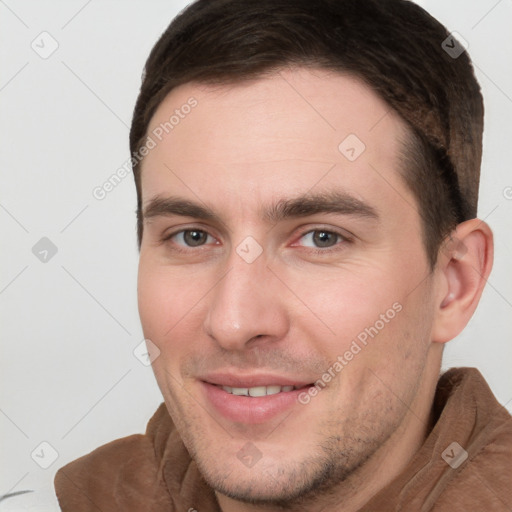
{"x":252,"y":401}
{"x":258,"y":390}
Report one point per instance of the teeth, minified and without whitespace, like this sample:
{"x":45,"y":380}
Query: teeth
{"x":257,"y":390}
{"x":240,"y":391}
{"x":271,"y":390}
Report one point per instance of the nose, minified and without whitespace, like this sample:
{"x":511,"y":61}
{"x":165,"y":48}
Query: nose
{"x":246,"y":307}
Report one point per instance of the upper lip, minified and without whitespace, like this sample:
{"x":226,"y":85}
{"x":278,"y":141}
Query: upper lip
{"x":251,"y":381}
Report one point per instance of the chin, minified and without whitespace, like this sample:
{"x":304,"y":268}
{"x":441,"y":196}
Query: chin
{"x":275,"y":482}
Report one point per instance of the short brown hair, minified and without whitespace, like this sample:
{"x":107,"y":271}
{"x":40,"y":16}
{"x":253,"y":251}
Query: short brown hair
{"x":392,"y":45}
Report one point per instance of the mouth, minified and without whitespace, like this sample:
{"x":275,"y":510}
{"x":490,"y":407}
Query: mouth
{"x":258,"y":391}
{"x":252,"y":400}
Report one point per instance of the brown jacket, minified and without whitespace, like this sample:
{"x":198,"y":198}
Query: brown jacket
{"x":154,"y":472}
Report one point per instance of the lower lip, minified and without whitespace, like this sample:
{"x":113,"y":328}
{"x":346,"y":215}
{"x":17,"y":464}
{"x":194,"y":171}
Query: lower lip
{"x":247,"y":409}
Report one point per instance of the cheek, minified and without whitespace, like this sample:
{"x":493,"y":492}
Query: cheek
{"x":158,"y":300}
{"x":370,"y":317}
{"x":169,"y":301}
{"x":163,"y":314}
{"x":152,"y":300}
{"x":348,"y":302}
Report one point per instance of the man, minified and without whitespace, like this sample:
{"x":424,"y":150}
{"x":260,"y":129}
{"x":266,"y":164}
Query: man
{"x":307,"y":176}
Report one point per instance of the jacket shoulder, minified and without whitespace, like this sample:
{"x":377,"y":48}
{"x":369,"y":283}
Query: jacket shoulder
{"x":484,"y":478}
{"x":104,"y":475}
{"x":120,"y":475}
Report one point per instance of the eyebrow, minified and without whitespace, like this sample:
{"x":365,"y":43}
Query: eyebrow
{"x":335,"y":202}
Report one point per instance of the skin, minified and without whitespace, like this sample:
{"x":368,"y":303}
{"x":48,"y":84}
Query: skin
{"x":298,"y":306}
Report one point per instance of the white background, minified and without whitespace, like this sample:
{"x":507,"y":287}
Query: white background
{"x":69,"y":326}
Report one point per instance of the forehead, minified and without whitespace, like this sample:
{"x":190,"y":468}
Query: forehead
{"x":285,"y":133}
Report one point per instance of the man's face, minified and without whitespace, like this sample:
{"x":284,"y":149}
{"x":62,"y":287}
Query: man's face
{"x":271,"y":290}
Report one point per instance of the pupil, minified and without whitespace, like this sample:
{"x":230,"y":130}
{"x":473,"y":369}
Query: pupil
{"x":194,"y":238}
{"x":323,"y":238}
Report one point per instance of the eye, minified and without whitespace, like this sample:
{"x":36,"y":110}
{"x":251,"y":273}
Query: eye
{"x":321,"y":239}
{"x":191,"y":237}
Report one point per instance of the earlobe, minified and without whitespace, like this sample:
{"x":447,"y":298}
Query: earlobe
{"x":464,"y":264}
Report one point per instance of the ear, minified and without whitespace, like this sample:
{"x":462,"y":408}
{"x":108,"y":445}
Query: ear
{"x":464,"y":264}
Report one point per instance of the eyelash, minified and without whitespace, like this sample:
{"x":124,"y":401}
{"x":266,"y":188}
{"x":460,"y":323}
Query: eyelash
{"x":343,"y":239}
